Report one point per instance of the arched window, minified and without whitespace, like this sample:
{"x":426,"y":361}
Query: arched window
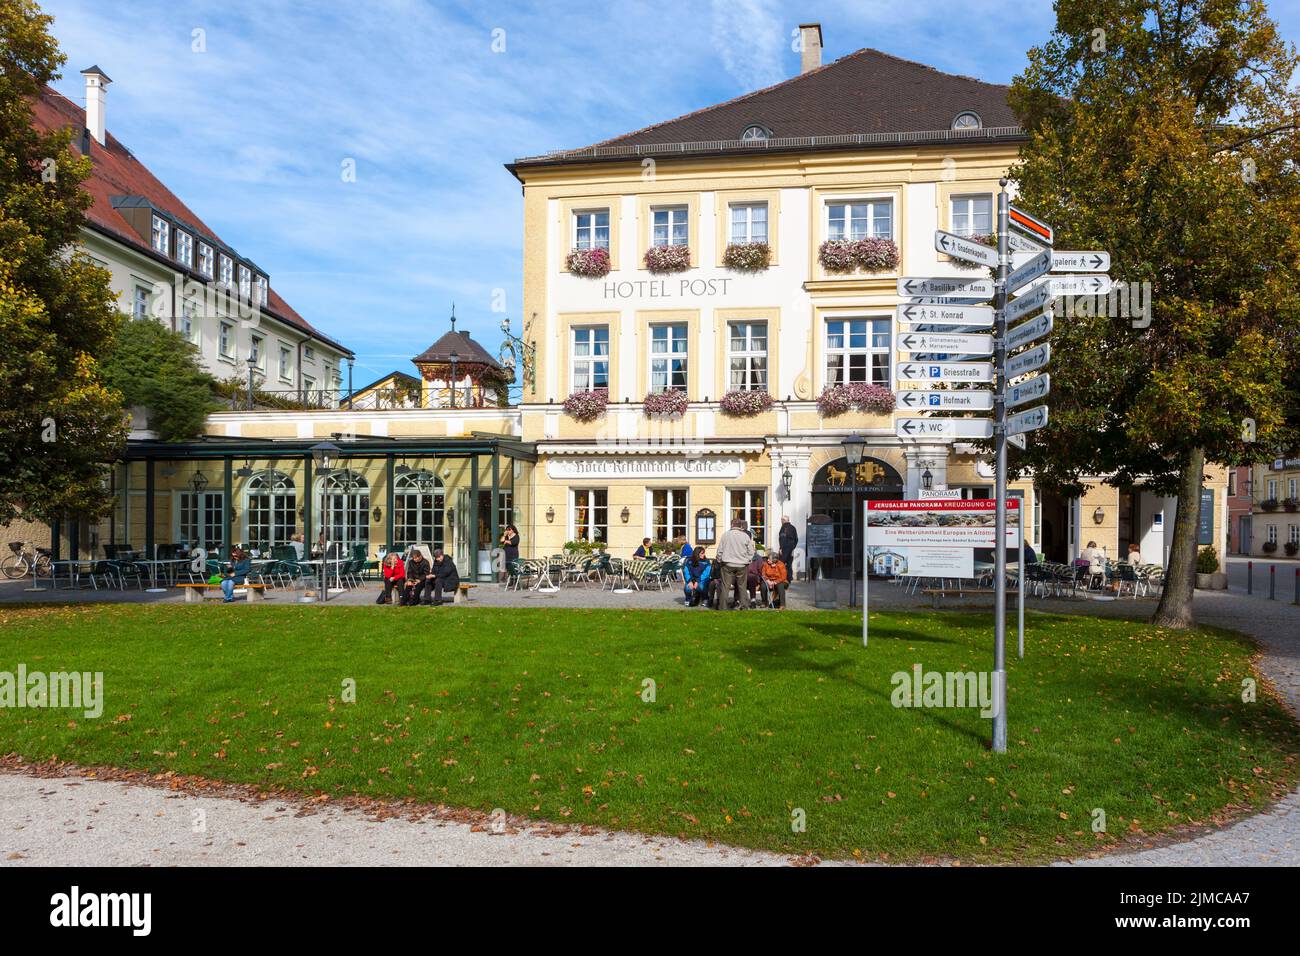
{"x":419,"y":510}
{"x":967,"y":119}
{"x":347,"y":506}
{"x":270,"y":510}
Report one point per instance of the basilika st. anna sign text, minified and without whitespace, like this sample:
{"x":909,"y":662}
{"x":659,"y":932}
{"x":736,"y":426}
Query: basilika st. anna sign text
{"x":597,"y":467}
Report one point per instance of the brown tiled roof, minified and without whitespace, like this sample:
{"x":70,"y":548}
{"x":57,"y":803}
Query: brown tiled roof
{"x":466,"y":349}
{"x":116,"y":172}
{"x":865,"y":94}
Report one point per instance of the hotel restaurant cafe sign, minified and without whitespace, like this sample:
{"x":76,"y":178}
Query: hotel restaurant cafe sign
{"x":643,"y":468}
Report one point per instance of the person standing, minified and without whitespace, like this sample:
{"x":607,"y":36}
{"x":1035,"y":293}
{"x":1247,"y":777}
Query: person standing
{"x":510,"y":545}
{"x":787,"y":539}
{"x":445,"y":577}
{"x":735,"y":551}
{"x":394,"y":577}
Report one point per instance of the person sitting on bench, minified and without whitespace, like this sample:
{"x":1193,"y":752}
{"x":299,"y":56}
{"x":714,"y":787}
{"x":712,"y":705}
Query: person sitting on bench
{"x":445,"y":578}
{"x":236,"y":572}
{"x":418,"y":577}
{"x":775,"y":578}
{"x":394,"y":577}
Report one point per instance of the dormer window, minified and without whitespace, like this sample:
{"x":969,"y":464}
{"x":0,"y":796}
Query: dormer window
{"x":184,"y":248}
{"x":967,"y":120}
{"x":160,"y":238}
{"x":263,"y":291}
{"x":245,"y":283}
{"x":205,"y":260}
{"x":755,"y":133}
{"x":227,"y":271}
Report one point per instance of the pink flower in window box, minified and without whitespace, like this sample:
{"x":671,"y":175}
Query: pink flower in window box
{"x":661,"y":259}
{"x":591,"y":263}
{"x":667,"y":403}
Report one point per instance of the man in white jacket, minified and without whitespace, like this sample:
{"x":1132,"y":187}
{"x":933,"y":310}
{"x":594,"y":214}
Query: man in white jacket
{"x":735,"y":550}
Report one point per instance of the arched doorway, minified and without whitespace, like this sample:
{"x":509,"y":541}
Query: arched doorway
{"x":419,"y":510}
{"x":347,"y":509}
{"x":833,"y":494}
{"x":270,"y":510}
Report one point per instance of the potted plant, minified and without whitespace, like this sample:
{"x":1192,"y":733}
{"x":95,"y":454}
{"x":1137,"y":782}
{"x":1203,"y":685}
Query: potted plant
{"x":850,"y":255}
{"x":591,"y":263}
{"x":1268,"y":547}
{"x":587,"y":406}
{"x":668,"y":403}
{"x":872,"y":399}
{"x":747,"y":256}
{"x":661,"y":259}
{"x":745,"y":402}
{"x":1207,"y":562}
{"x":1269,"y":504}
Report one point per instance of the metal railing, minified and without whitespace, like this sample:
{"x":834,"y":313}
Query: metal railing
{"x":389,"y":399}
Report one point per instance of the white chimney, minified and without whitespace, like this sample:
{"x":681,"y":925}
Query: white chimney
{"x":96,"y":83}
{"x":810,"y":46}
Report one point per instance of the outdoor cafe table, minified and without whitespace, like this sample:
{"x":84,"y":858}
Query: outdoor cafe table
{"x":315,"y":563}
{"x":168,"y":567}
{"x":74,"y":569}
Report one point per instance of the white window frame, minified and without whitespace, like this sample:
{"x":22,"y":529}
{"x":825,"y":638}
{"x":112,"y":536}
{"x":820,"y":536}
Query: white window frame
{"x":667,"y":357}
{"x":225,"y":341}
{"x":207,"y":260}
{"x":961,"y":214}
{"x":263,"y":290}
{"x":870,"y":217}
{"x":308,"y":353}
{"x":1272,"y":489}
{"x":746,"y":222}
{"x":747,"y":510}
{"x":747,"y":355}
{"x":1293,"y":533}
{"x":590,"y":495}
{"x":227,"y":279}
{"x":160,"y":235}
{"x":140,"y":303}
{"x":286,"y":363}
{"x":582,"y":368}
{"x":188,"y":325}
{"x":256,"y":354}
{"x":199,"y":519}
{"x":1291,"y":488}
{"x":1271,"y":534}
{"x":245,"y":283}
{"x":271,"y":497}
{"x":871,"y":349}
{"x":586,"y":236}
{"x":675,"y":217}
{"x":184,"y":248}
{"x":676,"y":499}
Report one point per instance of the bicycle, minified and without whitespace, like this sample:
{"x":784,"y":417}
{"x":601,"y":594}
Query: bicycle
{"x":37,"y":562}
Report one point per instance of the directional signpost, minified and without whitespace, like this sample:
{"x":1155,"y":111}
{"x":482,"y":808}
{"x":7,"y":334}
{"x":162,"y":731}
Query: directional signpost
{"x":1027,"y":421}
{"x":1074,"y":285}
{"x":1030,"y":331}
{"x":978,"y":316}
{"x":966,"y":344}
{"x":1080,"y":261}
{"x":945,"y":287}
{"x":943,"y":428}
{"x":1039,"y":265}
{"x":965,"y":249}
{"x":1029,"y":303}
{"x":944,"y":371}
{"x":965,"y":400}
{"x":1029,"y":391}
{"x":1023,"y":244}
{"x":1022,"y":363}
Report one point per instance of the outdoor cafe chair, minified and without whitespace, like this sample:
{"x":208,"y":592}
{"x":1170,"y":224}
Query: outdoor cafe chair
{"x":615,"y":572}
{"x":1128,"y":577}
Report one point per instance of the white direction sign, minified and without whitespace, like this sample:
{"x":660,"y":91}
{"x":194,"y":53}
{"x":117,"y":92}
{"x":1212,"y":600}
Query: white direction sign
{"x":945,"y":371}
{"x":980,"y":316}
{"x":1028,"y":361}
{"x":1019,"y":243}
{"x":1030,"y":302}
{"x":1039,"y":265}
{"x":1031,"y":226}
{"x":966,"y":400}
{"x":1027,"y":421}
{"x":944,"y":286}
{"x":1080,"y":261}
{"x":1032,"y":390}
{"x":1027,"y":332}
{"x":977,"y":344}
{"x":1018,"y":441}
{"x":965,"y":249}
{"x":943,"y":428}
{"x":1075,"y":285}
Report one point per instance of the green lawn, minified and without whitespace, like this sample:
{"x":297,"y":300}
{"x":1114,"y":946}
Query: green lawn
{"x":757,"y":715}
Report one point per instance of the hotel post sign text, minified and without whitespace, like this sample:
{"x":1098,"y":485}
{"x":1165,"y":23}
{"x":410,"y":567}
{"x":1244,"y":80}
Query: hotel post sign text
{"x":666,"y":288}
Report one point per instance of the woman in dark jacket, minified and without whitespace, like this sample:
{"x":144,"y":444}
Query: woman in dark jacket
{"x":510,"y":543}
{"x":417,"y":578}
{"x":445,"y":578}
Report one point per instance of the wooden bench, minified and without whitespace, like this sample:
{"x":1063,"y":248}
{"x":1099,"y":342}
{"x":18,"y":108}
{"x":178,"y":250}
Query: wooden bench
{"x":462,"y":593}
{"x":195,"y":593}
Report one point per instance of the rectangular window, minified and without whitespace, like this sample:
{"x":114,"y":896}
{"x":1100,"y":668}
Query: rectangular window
{"x":591,"y":229}
{"x":747,"y":358}
{"x":200,"y":520}
{"x":590,"y":511}
{"x":749,"y":222}
{"x":160,"y":237}
{"x":1272,"y":533}
{"x":668,"y":357}
{"x":245,"y":283}
{"x":865,"y":219}
{"x":286,"y":362}
{"x":227,"y":271}
{"x":184,"y":248}
{"x":1272,"y":488}
{"x":972,"y":215}
{"x":308,"y":383}
{"x":255,"y":351}
{"x":263,"y":291}
{"x":224,"y":340}
{"x":1291,"y":488}
{"x":1232,"y":483}
{"x":750,"y":506}
{"x":205,"y":260}
{"x":857,"y":350}
{"x":590,"y":358}
{"x":1293,"y":533}
{"x":667,"y":513}
{"x":140,"y":303}
{"x":189,"y":324}
{"x":670,"y":226}
{"x":308,"y":353}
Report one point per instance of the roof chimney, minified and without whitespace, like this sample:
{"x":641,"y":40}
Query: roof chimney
{"x":96,"y":83}
{"x":810,"y":46}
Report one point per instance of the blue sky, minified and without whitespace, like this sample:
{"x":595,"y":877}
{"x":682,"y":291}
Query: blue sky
{"x":252,"y":132}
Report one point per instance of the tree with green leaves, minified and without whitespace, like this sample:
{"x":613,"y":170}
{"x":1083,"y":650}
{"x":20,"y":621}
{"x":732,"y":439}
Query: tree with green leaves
{"x":1164,"y":131}
{"x":158,"y":370}
{"x":59,"y":422}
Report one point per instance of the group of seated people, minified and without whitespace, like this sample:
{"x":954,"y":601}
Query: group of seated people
{"x":416,"y":581}
{"x":766,"y":578}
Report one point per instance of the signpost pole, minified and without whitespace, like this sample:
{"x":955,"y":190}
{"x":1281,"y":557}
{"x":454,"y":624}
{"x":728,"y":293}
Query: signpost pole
{"x":1000,"y":452}
{"x":1020,"y":602}
{"x":866,"y":569}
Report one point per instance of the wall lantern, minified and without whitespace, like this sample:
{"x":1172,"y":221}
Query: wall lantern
{"x":927,"y":480}
{"x":550,"y":515}
{"x":1098,"y":516}
{"x":324,"y":454}
{"x":853,"y":446}
{"x":786,"y":480}
{"x":377,"y":514}
{"x":198,"y":481}
{"x":625,"y":514}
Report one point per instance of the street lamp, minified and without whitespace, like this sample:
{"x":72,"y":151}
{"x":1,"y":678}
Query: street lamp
{"x":927,"y":479}
{"x":786,"y":480}
{"x":853,"y":446}
{"x":324,"y":455}
{"x":454,"y":359}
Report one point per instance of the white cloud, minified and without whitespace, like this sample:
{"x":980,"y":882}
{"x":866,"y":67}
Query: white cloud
{"x":750,"y":38}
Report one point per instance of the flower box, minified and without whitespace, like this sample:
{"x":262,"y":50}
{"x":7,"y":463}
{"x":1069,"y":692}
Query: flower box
{"x":1268,"y":547}
{"x":743,"y":403}
{"x":747,"y":256}
{"x":666,"y":403}
{"x":1291,"y":504}
{"x":661,"y":259}
{"x":852,"y":255}
{"x":591,"y":263}
{"x":838,"y":399}
{"x":1269,"y":504}
{"x":587,"y":406}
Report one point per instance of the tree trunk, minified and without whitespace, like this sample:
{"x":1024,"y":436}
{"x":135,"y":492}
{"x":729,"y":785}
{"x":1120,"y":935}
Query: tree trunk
{"x":1175,"y":608}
